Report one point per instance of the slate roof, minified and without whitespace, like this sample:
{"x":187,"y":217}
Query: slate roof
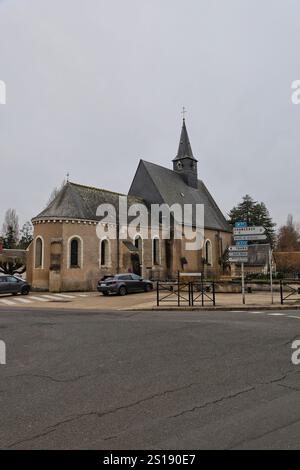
{"x":76,"y":201}
{"x":184,"y":148}
{"x":170,"y":188}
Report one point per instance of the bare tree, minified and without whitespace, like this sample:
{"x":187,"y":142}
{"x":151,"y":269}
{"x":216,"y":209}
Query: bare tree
{"x":288,"y":238}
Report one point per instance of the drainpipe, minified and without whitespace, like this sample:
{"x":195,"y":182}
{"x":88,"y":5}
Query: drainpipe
{"x":118,"y":250}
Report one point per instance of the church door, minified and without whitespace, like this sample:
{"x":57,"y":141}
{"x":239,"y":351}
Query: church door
{"x":135,"y":262}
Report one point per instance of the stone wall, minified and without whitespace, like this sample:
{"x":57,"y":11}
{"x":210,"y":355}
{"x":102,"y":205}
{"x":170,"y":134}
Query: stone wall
{"x":57,"y":275}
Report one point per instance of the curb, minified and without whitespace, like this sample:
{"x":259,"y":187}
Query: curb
{"x":246,"y":308}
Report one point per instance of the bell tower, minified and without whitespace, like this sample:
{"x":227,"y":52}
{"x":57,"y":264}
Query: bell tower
{"x":185,"y":164}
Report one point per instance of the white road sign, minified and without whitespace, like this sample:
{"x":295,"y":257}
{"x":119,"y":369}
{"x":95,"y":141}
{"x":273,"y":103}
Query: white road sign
{"x":249,"y":237}
{"x":238,"y":248}
{"x":248,"y":230}
{"x":239,"y":254}
{"x":243,"y":259}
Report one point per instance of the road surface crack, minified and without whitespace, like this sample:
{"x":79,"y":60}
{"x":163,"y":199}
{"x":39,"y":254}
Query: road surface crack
{"x":98,"y":414}
{"x":213,"y":402}
{"x":259,"y":436}
{"x":49,"y":377}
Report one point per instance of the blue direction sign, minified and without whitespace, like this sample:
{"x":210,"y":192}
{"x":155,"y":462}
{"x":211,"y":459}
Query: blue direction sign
{"x":240,"y":224}
{"x":241,"y":242}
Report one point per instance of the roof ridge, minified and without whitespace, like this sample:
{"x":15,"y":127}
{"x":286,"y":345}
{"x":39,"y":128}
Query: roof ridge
{"x":160,"y":166}
{"x":99,"y":189}
{"x":212,"y":200}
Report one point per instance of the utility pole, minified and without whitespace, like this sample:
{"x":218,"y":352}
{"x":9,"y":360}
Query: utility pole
{"x":271,"y":274}
{"x":243,"y":284}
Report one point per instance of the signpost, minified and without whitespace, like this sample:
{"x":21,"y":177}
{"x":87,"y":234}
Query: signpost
{"x":249,"y":237}
{"x":243,"y":285}
{"x":238,"y":248}
{"x":240,"y":260}
{"x":240,"y":224}
{"x":271,"y":274}
{"x":241,"y":243}
{"x":248,"y":231}
{"x":239,"y":253}
{"x":236,"y":259}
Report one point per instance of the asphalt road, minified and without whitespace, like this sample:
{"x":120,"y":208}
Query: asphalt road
{"x":155,"y":380}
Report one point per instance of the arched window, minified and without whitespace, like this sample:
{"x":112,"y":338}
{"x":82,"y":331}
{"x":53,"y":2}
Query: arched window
{"x":75,"y":252}
{"x":39,"y":255}
{"x":104,"y":253}
{"x":208,"y":253}
{"x":155,"y":251}
{"x":138,"y":243}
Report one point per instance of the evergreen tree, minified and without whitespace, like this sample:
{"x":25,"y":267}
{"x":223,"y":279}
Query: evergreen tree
{"x":10,"y":229}
{"x":26,"y":235}
{"x":254,"y":213}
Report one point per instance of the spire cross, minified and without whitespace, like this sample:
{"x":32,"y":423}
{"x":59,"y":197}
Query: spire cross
{"x":183,"y":112}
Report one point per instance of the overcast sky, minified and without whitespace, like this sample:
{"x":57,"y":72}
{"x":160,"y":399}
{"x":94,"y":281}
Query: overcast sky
{"x":94,"y":85}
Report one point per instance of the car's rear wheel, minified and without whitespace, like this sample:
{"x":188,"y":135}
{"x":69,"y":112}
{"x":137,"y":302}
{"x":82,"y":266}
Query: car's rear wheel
{"x":147,"y":288}
{"x":14,"y":293}
{"x":122,"y":290}
{"x":25,"y":291}
{"x":105,"y":293}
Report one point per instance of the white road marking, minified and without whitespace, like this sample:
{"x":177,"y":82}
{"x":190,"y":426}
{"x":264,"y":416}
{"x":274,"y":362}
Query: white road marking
{"x":82,"y":295}
{"x":7,"y":302}
{"x":65,"y":296}
{"x":53,"y":297}
{"x":276,"y":314}
{"x":24,"y":301}
{"x":255,"y":312}
{"x":293,"y":316}
{"x":39,"y":298}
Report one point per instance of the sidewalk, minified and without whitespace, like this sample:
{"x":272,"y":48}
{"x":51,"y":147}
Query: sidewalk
{"x":142,"y":301}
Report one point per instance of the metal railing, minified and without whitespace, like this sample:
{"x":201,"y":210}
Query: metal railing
{"x":289,"y":291}
{"x":202,"y":292}
{"x":185,"y":293}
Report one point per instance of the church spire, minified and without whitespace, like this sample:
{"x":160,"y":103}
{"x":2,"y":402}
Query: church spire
{"x":184,"y":148}
{"x":185,"y":164}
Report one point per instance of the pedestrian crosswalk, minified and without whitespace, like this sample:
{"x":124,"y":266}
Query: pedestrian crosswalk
{"x":31,"y":300}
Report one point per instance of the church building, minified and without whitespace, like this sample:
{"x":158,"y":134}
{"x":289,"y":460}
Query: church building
{"x":67,"y":255}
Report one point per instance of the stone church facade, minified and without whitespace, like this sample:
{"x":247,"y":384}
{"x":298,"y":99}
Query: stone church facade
{"x":67,"y":255}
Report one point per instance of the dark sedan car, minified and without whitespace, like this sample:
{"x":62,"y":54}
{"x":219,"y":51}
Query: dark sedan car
{"x":123,"y":284}
{"x":13,"y":285}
